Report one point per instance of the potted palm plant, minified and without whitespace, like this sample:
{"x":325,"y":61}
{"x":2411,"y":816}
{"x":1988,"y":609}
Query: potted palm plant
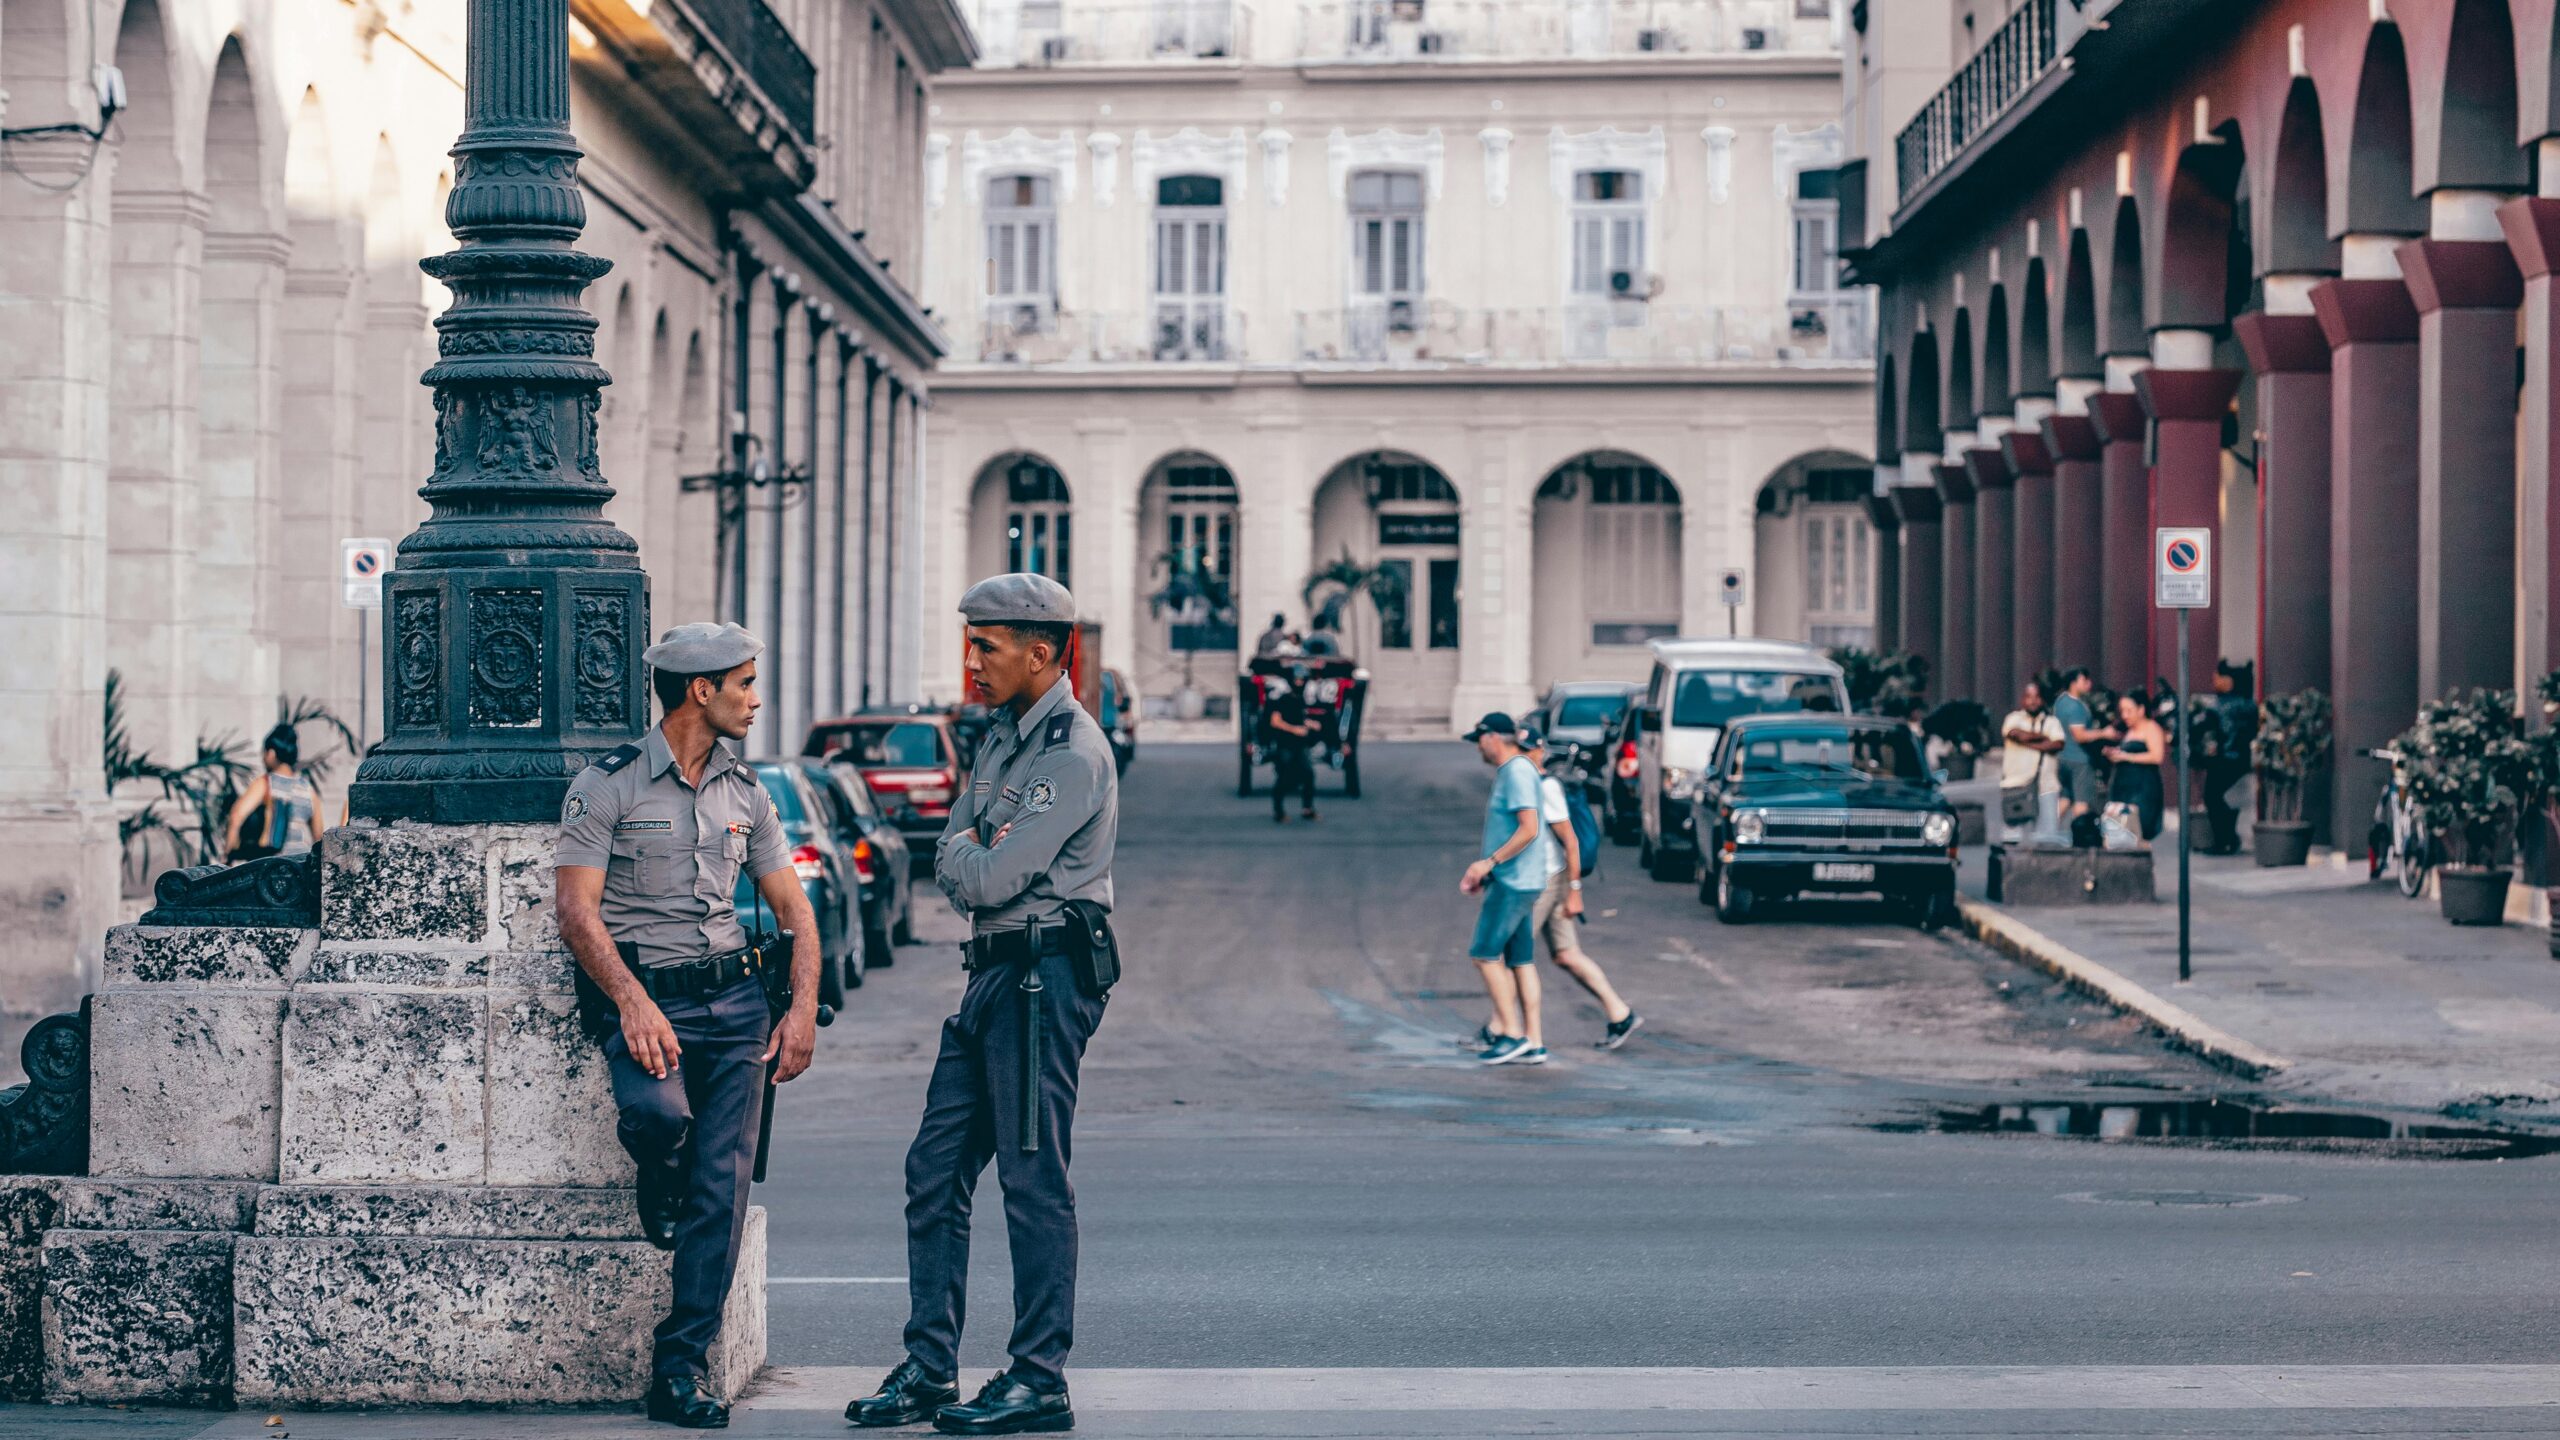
{"x":1965,"y":727}
{"x":1195,"y":595}
{"x":2294,"y":734}
{"x":1331,"y":589}
{"x":2472,"y":776}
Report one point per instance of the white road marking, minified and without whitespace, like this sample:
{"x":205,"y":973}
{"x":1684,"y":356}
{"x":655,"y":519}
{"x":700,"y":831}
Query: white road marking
{"x":835,"y":1280}
{"x":1757,"y":1388}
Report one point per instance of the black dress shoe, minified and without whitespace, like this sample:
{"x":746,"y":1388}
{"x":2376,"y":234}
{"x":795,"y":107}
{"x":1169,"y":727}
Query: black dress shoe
{"x":661,"y":1200}
{"x":678,"y":1400}
{"x":1008,"y":1406}
{"x":907,"y":1397}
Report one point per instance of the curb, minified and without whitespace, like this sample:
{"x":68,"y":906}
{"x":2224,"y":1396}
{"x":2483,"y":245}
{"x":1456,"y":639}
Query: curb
{"x":2010,"y":936}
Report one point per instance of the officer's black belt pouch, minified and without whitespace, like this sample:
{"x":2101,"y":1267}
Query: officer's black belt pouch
{"x":1092,"y":948}
{"x":596,"y":1013}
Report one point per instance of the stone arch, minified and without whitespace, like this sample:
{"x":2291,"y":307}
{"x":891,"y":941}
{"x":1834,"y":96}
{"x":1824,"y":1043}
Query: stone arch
{"x":1960,"y":410}
{"x":2296,"y":225}
{"x":2475,"y":142}
{"x":663,"y":430}
{"x":2079,"y":311}
{"x":1814,"y":551}
{"x":1188,"y":508}
{"x":2379,"y":197}
{"x":695,"y":584}
{"x":2126,"y":331}
{"x":2035,"y":334}
{"x":1605,"y":577}
{"x":1398,"y":509}
{"x":2196,"y":251}
{"x":1923,"y":430}
{"x":1022,"y":517}
{"x":1996,"y":394}
{"x":145,"y":139}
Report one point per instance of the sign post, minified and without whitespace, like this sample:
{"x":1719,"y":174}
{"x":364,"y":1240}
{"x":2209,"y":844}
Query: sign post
{"x":362,"y":562}
{"x":2182,"y":569}
{"x":1732,"y":595}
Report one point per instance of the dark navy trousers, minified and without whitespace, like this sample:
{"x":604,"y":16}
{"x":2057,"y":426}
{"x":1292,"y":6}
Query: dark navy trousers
{"x":974,"y":1112}
{"x":701,"y":1120}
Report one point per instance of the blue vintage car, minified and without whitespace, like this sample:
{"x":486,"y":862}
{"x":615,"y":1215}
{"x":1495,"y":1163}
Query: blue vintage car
{"x":1811,"y":803}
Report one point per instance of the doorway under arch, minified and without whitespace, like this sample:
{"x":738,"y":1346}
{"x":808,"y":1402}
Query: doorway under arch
{"x":1187,"y":561}
{"x":1815,"y":552}
{"x":1022,"y":518}
{"x":1396,"y":516}
{"x":1605,"y":538}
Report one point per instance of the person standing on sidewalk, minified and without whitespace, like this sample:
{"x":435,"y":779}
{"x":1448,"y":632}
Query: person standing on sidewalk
{"x":1560,"y":904}
{"x":2228,"y":764}
{"x":2029,"y":780}
{"x":1292,"y":735}
{"x":2077,"y":772}
{"x":1510,"y":871}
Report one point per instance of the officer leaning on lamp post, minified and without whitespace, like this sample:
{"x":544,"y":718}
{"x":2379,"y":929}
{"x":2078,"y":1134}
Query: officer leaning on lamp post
{"x":1027,"y":857}
{"x":651,"y":841}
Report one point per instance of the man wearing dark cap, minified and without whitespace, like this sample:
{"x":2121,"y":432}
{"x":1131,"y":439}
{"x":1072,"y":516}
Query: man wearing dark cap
{"x":651,"y":840}
{"x":1510,"y":871}
{"x":1027,"y":857}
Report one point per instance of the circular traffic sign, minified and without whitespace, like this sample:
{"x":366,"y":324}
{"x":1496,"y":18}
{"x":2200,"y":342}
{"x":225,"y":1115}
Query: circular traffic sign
{"x":2184,"y":555}
{"x":368,"y":561}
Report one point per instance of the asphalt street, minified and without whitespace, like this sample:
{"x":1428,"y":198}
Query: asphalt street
{"x":1306,"y":1211}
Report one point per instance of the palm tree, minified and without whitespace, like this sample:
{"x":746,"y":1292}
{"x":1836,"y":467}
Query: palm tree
{"x":1340,"y":580}
{"x":1193,"y":592}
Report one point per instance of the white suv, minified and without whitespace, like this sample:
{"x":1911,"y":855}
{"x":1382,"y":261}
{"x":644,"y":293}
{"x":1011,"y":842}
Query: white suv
{"x":1696,"y":688}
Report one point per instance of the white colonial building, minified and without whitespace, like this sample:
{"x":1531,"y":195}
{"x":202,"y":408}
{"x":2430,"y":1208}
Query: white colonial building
{"x":1532,"y":302}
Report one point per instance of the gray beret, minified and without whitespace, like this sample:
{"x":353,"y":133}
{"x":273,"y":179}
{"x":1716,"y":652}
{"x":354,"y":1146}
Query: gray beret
{"x":702,"y":648}
{"x":1018,"y":599}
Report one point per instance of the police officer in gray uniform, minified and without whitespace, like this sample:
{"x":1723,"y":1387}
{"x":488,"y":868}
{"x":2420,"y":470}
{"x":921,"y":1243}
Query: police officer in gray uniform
{"x":651,"y":841}
{"x":1027,"y":857}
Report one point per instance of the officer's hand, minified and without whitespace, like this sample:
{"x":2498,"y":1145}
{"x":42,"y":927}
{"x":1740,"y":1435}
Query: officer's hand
{"x":795,"y":1040}
{"x":649,"y":1038}
{"x":1001,"y":831}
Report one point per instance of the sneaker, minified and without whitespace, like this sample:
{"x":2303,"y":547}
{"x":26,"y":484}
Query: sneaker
{"x":1525,"y":1055}
{"x":1504,"y":1048}
{"x":1484,"y":1038}
{"x":1619,"y":1030}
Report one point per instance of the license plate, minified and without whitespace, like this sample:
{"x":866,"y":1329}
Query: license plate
{"x":1839,"y":873}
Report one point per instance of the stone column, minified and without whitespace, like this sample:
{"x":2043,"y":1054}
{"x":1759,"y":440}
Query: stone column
{"x":2124,"y":539}
{"x":2071,"y":442}
{"x":2532,"y":226}
{"x":1886,"y":520}
{"x":1995,"y":622}
{"x":150,"y":407}
{"x":1956,"y":577}
{"x":1923,"y":557}
{"x":2372,"y":330}
{"x":2290,"y":359}
{"x":1493,"y":560}
{"x":2031,"y":566}
{"x":2466,"y":287}
{"x":2187,"y":401}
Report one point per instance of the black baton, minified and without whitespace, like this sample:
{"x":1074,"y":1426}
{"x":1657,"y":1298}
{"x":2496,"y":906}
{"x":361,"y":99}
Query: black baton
{"x":777,"y":994}
{"x":1031,"y":1017}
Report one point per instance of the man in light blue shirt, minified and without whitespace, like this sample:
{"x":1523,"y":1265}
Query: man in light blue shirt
{"x":1510,"y":872}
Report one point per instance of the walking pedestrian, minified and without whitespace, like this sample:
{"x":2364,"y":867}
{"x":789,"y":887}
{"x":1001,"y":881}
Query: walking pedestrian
{"x":2076,"y":773}
{"x":651,"y":841}
{"x":277,"y":813}
{"x":1560,"y":903}
{"x":1292,"y":741}
{"x":2226,"y":763}
{"x":1026,"y":856}
{"x":2030,"y":782}
{"x":1509,"y":872}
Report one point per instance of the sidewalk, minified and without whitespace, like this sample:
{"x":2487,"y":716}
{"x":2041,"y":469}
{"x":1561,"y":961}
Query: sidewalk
{"x":2323,"y":984}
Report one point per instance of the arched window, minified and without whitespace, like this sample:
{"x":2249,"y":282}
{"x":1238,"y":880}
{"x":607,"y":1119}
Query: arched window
{"x":1838,"y":608}
{"x":1039,"y":527}
{"x":1022,"y":253}
{"x":1191,"y":268}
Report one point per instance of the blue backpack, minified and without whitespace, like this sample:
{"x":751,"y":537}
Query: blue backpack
{"x":1586,"y":831}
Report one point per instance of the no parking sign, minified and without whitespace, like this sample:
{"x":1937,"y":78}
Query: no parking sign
{"x":2182,"y":561}
{"x":362,"y":564}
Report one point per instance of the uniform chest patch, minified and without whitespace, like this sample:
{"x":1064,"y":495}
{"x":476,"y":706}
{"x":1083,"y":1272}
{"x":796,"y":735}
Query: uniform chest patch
{"x":1010,"y":796}
{"x":575,"y":810}
{"x":982,"y":786}
{"x":741,"y":827}
{"x":630,"y":825}
{"x":1042,"y":794}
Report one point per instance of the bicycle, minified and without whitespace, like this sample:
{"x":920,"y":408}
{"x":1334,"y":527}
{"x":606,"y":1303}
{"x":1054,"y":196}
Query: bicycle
{"x":2398,"y":840}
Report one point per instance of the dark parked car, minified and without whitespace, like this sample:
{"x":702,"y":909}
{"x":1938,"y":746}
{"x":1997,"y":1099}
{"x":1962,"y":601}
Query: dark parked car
{"x":878,"y":852}
{"x":1809,"y":803}
{"x":912,"y":759}
{"x":1612,"y":791}
{"x":826,"y":876}
{"x":1580,"y":712}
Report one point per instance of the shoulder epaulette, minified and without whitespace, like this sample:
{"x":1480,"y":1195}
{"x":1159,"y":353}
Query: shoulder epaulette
{"x":1061,"y":725}
{"x":622,"y":755}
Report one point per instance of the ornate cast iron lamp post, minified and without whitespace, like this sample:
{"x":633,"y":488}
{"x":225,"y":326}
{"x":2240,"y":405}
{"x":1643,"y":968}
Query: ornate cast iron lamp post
{"x":516,"y":613}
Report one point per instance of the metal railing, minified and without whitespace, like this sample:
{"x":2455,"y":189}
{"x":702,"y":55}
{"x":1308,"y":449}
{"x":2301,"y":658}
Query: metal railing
{"x":761,"y":45}
{"x":1810,"y":330}
{"x":1042,"y":33}
{"x":1429,"y":30}
{"x":1028,"y":335}
{"x":2008,"y":65}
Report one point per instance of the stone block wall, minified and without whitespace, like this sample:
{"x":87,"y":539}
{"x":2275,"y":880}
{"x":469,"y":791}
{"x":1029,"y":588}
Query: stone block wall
{"x":369,"y":1164}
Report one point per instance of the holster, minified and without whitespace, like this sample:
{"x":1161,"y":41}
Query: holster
{"x":597,"y":1017}
{"x":1092,"y":948}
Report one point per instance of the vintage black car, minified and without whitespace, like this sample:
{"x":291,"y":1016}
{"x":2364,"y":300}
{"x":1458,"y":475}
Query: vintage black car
{"x":1803,"y":804}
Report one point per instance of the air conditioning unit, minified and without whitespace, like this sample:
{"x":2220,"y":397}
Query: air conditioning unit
{"x":1024,"y":320}
{"x":1755,"y":37}
{"x":1657,"y":39}
{"x":1058,"y":49}
{"x":1403,"y":317}
{"x":1433,"y":42}
{"x":1624,"y":285}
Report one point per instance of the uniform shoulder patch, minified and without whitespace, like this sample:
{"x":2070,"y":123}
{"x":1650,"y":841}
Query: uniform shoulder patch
{"x":1040,"y":796}
{"x":621,"y":755}
{"x":1061,"y":725}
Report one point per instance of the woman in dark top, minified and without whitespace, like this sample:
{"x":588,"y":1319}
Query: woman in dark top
{"x":2134,"y":776}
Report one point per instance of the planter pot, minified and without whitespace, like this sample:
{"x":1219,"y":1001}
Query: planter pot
{"x":1189,"y":704}
{"x":1959,"y":765}
{"x":2473,"y":895}
{"x":2286,"y":842}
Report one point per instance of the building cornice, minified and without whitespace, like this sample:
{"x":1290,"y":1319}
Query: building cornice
{"x":883,"y":310}
{"x":1148,"y":377}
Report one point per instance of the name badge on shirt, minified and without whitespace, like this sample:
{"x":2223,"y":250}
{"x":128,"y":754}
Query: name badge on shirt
{"x":741,"y":827}
{"x":624,"y":825}
{"x":1012,"y":796}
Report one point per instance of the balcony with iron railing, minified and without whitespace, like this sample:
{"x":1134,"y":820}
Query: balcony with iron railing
{"x":1422,"y":31}
{"x":761,"y":45}
{"x":1029,"y":34}
{"x":725,"y":75}
{"x":2018,"y":56}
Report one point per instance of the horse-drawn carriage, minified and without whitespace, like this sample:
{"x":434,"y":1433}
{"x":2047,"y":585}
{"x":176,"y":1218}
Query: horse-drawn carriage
{"x":1336,"y":691}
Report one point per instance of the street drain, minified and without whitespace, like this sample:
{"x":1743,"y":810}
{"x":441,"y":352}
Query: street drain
{"x":2204,"y":1199}
{"x":2231,"y":1124}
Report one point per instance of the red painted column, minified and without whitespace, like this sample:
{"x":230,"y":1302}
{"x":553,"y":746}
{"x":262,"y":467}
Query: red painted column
{"x":2031,"y":647}
{"x":2187,"y":408}
{"x":2072,"y":440}
{"x":1922,"y":557}
{"x":2533,"y":233}
{"x":2124,"y":540}
{"x":1956,"y":585}
{"x":2290,"y":359}
{"x":2466,"y":292}
{"x":1886,"y":520}
{"x":1995,"y":585}
{"x":2372,"y":330}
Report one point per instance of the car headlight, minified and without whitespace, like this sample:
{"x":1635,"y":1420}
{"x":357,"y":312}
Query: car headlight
{"x":1938,"y":829}
{"x":1675,"y":781}
{"x":1750,"y":827}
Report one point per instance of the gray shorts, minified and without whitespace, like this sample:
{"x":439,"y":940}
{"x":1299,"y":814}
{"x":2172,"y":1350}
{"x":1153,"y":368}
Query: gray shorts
{"x":2079,"y":783}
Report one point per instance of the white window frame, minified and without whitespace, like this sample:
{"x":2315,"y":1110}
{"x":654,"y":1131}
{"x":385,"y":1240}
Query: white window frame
{"x":1819,"y":283}
{"x":1020,"y":239}
{"x":1388,"y":279}
{"x":1189,"y":319}
{"x":1040,"y":531}
{"x":1603,"y":238}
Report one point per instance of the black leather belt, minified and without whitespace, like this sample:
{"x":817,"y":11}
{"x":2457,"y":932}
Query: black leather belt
{"x":690,"y":979}
{"x":1011,"y":947}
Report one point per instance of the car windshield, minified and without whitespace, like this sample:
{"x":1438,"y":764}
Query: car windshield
{"x":786,"y":796}
{"x":1590,"y":709}
{"x":1867,"y":754}
{"x":901,"y":744}
{"x":1716,"y":698}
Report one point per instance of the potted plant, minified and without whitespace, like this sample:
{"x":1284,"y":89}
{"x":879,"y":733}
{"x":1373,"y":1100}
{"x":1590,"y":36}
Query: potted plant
{"x":2472,"y":776}
{"x":2292,"y":745}
{"x":2546,"y":749}
{"x":1873,"y":679}
{"x":1338,"y":582}
{"x":1965,"y":727}
{"x":1194,"y":593}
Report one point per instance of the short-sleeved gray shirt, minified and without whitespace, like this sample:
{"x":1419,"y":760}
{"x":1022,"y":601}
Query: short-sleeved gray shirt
{"x":1050,"y":777}
{"x":670,"y":851}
